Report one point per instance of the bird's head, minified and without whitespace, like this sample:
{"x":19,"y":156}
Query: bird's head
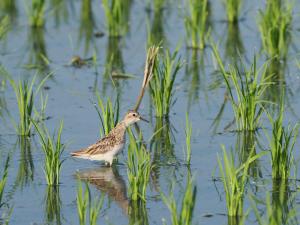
{"x":133,"y":117}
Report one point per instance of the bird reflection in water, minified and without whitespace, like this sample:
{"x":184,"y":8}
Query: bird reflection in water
{"x":108,"y":180}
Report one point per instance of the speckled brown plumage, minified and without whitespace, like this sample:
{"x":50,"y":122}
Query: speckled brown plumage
{"x":115,"y":137}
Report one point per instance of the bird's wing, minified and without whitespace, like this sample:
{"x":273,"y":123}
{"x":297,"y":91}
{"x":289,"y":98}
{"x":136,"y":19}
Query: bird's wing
{"x":100,"y":147}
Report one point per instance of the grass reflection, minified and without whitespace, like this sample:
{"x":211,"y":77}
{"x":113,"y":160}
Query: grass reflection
{"x":117,"y":14}
{"x":87,"y":25}
{"x":4,"y":27}
{"x":184,"y":214}
{"x":114,"y":63}
{"x":60,"y":11}
{"x":53,"y":205}
{"x":9,"y":7}
{"x":5,"y":209}
{"x":275,"y":25}
{"x":38,"y":57}
{"x":155,"y":27}
{"x":3,"y":180}
{"x":162,"y":142}
{"x":25,"y":173}
{"x":162,"y":149}
{"x":234,"y":46}
{"x":197,"y":23}
{"x":276,"y":72}
{"x":3,"y":105}
{"x":138,"y":213}
{"x":246,"y":145}
{"x":279,"y":207}
{"x":195,"y":75}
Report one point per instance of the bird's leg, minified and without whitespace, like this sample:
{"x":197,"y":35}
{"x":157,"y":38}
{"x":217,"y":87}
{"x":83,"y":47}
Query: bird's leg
{"x":110,"y":161}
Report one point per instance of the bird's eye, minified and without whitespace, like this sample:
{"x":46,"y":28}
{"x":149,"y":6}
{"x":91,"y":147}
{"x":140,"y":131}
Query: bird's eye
{"x":134,"y":114}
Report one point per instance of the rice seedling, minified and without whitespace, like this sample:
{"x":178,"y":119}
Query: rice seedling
{"x":196,"y":22}
{"x":234,"y":179}
{"x":188,"y":134}
{"x":25,"y":99}
{"x":85,"y":205}
{"x":162,"y":84}
{"x":138,"y":168}
{"x":233,"y":10}
{"x":282,"y":144}
{"x":275,"y":27}
{"x":247,"y":98}
{"x":36,"y":13}
{"x":41,"y":113}
{"x":115,"y":14}
{"x":184,"y":215}
{"x":3,"y":180}
{"x":53,"y":149}
{"x":108,"y":114}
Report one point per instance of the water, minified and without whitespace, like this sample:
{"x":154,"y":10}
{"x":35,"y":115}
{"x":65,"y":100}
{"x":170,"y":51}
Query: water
{"x":71,"y":94}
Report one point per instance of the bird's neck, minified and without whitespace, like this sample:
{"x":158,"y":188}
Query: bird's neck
{"x":124,"y":124}
{"x":121,"y":127}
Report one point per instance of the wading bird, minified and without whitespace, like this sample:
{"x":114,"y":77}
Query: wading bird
{"x":108,"y":147}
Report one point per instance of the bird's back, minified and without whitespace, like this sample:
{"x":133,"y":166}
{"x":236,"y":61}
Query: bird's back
{"x":115,"y":137}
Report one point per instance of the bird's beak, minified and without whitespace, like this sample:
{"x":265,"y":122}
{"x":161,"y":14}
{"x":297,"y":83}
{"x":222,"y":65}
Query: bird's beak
{"x":143,"y":119}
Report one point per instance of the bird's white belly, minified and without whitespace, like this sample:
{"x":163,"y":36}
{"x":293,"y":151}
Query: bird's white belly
{"x":109,"y":155}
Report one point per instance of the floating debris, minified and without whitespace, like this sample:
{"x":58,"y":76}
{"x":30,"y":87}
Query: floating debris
{"x":79,"y":62}
{"x":99,"y":34}
{"x":120,"y":75}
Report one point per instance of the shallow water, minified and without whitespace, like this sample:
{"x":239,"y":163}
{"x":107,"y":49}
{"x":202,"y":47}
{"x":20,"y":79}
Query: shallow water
{"x":71,"y":95}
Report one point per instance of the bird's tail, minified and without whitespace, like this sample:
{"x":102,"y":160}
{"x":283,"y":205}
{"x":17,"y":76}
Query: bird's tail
{"x":80,"y":153}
